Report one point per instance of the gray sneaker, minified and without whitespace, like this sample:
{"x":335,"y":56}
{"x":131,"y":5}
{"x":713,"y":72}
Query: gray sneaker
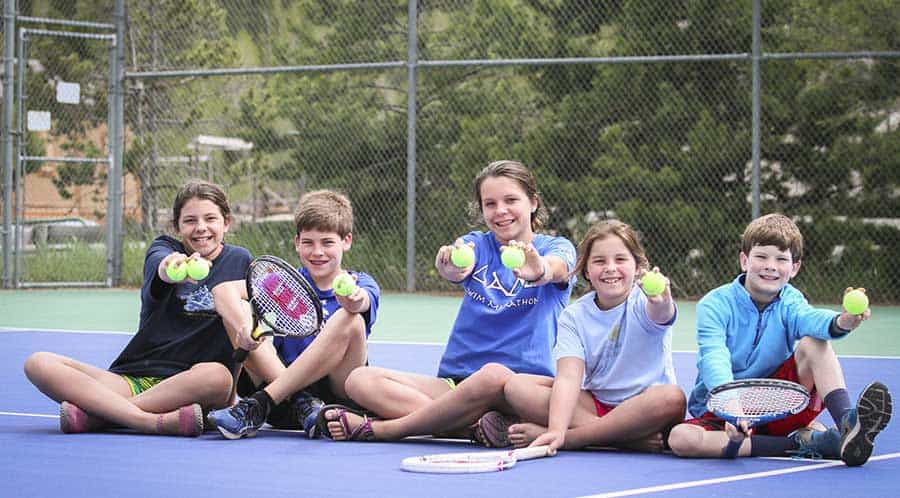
{"x":860,"y":425}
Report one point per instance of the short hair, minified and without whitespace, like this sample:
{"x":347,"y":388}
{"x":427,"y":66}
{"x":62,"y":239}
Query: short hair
{"x":610,"y":228}
{"x":200,"y":189}
{"x":326,"y":211}
{"x":773,"y":230}
{"x":519,"y":173}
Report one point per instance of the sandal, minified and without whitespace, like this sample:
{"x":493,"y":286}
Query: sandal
{"x":362,"y":432}
{"x":492,"y":429}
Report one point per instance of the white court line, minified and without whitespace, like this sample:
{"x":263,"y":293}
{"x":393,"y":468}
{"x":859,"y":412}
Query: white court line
{"x":17,"y":414}
{"x":720,"y":480}
{"x":402,"y":343}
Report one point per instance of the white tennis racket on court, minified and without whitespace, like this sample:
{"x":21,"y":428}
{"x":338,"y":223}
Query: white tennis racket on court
{"x":471,"y":463}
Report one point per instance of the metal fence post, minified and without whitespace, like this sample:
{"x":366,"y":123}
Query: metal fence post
{"x":411,"y":68}
{"x":9,"y":54}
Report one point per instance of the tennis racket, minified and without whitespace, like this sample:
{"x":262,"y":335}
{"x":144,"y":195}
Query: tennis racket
{"x":282,"y":300}
{"x":757,"y":401}
{"x":471,"y":463}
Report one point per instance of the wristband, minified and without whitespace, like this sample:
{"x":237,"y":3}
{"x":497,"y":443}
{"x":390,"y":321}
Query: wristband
{"x":731,"y":449}
{"x":544,"y":266}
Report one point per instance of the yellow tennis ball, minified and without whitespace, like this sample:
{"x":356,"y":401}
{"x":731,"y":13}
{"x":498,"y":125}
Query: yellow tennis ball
{"x":513,"y":257}
{"x":463,"y":256}
{"x":653,"y":283}
{"x":343,"y":285}
{"x":856,"y":302}
{"x":197,"y":269}
{"x":176,"y":271}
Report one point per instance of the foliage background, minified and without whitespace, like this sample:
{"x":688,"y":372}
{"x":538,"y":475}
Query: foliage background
{"x":664,"y":146}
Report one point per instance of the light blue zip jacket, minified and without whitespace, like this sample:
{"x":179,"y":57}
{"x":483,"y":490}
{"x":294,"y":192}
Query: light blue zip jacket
{"x":738,"y":341}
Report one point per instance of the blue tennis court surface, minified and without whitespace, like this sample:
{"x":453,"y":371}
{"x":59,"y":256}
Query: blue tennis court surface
{"x":38,"y":460}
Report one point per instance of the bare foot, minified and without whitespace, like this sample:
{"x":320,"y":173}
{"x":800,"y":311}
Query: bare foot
{"x":345,"y":425}
{"x":650,"y":444}
{"x":521,"y":435}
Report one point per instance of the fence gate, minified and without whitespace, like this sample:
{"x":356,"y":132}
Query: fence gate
{"x":62,"y":234}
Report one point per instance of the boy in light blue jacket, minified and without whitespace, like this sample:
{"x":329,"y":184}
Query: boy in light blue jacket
{"x":760,"y":325}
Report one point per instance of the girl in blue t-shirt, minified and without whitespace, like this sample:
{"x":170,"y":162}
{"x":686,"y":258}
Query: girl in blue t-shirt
{"x":615,"y":383}
{"x":506,"y":323}
{"x":179,"y":362}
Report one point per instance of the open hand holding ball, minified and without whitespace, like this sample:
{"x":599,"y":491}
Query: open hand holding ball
{"x":653,"y":283}
{"x":343,"y":285}
{"x":197,"y":268}
{"x":856,"y":302}
{"x":512,"y":257}
{"x":462,"y":256}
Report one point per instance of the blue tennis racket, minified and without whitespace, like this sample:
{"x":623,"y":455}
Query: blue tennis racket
{"x":757,"y":401}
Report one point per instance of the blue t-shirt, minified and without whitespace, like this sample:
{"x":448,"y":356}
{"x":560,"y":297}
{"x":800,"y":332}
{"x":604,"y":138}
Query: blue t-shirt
{"x":289,"y":348}
{"x":738,"y":341}
{"x":502,"y":318}
{"x":623,"y":349}
{"x":179,"y":326}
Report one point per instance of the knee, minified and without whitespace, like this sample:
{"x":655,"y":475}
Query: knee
{"x":671,"y":401}
{"x":37,"y":363}
{"x":492,"y":377}
{"x":810,"y":348}
{"x":346,"y":326}
{"x":216,"y":385}
{"x":359,"y":379}
{"x":685,"y":440}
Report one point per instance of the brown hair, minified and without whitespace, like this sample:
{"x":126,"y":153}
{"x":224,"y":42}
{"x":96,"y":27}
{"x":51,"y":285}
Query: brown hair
{"x":519,"y":173}
{"x":773,"y":230}
{"x":610,"y":228}
{"x":326,"y":211}
{"x":200,"y":189}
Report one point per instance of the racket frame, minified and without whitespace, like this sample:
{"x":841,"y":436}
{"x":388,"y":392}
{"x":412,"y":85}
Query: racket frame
{"x":290,"y":272}
{"x":471,"y":462}
{"x":720,"y":392}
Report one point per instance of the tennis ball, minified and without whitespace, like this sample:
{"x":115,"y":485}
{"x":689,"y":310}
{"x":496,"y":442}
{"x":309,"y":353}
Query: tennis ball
{"x":343,"y":285}
{"x":653,"y":283}
{"x":176,"y":271}
{"x":513,"y":257}
{"x":197,"y":269}
{"x":463,"y":256}
{"x":856,"y":302}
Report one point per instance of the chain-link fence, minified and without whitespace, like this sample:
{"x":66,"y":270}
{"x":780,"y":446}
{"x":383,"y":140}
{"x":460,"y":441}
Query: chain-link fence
{"x":638,"y":110}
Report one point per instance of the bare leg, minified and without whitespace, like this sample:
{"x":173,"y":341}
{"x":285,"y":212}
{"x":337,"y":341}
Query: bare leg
{"x":818,"y":366}
{"x":458,"y":408}
{"x":339,"y":348}
{"x":636,"y":423}
{"x":391,"y":393}
{"x":107,"y":396}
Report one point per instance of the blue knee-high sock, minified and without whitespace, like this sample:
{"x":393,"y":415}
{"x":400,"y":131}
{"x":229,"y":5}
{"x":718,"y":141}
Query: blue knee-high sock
{"x":838,"y":403}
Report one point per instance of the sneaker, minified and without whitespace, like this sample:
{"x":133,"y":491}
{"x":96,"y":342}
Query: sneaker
{"x":817,"y":444}
{"x":241,"y":420}
{"x":299,"y":413}
{"x":186,"y":421}
{"x":492,"y":429}
{"x":860,"y":425}
{"x":72,"y":420}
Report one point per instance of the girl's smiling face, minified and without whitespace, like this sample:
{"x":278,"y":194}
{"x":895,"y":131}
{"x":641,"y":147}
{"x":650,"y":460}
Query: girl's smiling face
{"x":202,"y":227}
{"x":507,"y":209}
{"x":611,"y":269}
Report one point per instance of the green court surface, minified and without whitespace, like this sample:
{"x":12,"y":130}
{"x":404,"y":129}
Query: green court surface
{"x":401,"y":318}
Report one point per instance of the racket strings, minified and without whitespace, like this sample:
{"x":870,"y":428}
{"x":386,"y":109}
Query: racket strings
{"x":277,"y":294}
{"x":762,"y":400}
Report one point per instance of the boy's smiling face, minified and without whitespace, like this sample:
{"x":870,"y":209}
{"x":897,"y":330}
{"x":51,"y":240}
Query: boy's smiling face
{"x":768,"y":270}
{"x":321,"y":253}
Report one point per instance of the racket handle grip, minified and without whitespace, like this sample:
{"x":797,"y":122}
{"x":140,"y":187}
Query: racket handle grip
{"x":239,"y":355}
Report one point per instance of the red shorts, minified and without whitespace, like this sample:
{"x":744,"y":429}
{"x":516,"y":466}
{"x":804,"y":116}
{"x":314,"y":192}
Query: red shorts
{"x":602,"y":408}
{"x":783,"y":427}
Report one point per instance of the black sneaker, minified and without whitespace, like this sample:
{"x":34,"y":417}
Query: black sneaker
{"x":860,"y":425}
{"x":298,"y":413}
{"x":241,"y":420}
